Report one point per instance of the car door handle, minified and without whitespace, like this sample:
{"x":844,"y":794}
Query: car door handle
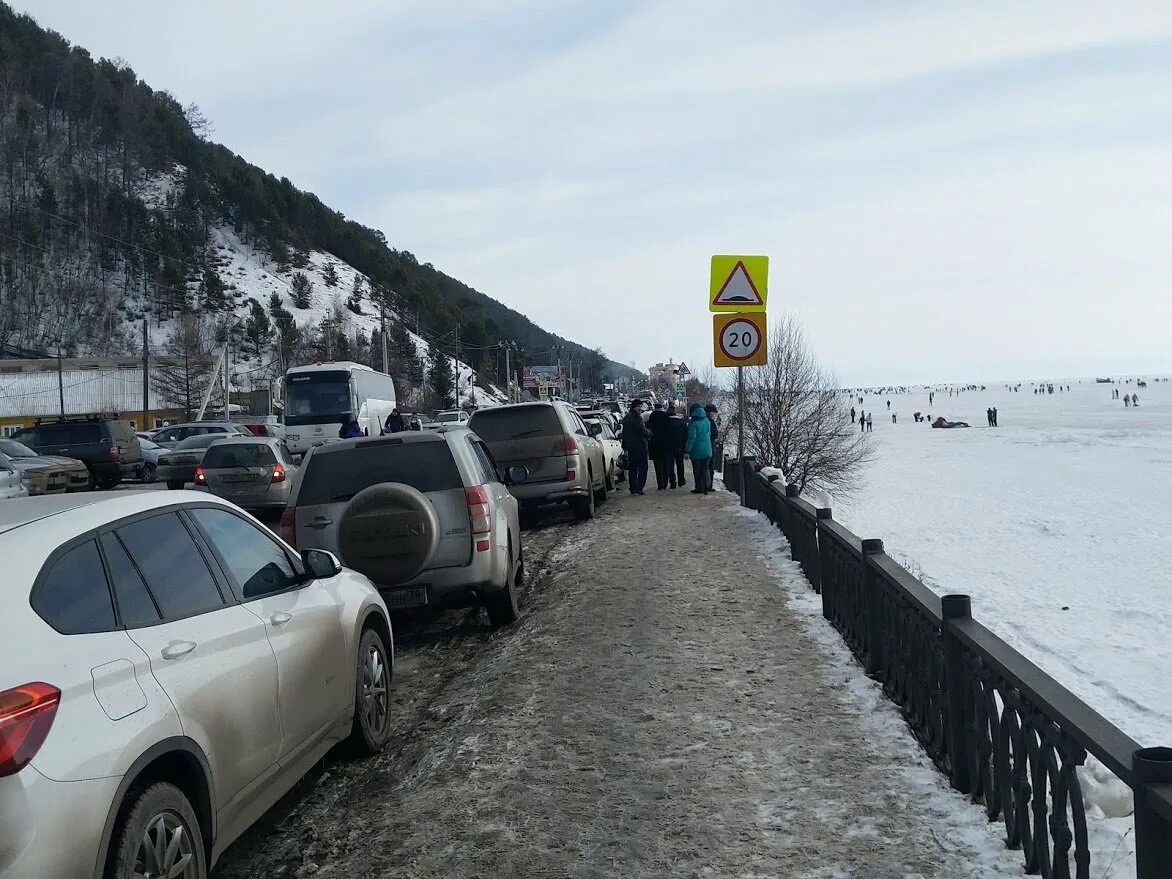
{"x":320,"y":522}
{"x":280,"y":618}
{"x":178,"y":648}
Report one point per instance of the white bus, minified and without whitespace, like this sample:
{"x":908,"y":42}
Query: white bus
{"x":320,"y":398}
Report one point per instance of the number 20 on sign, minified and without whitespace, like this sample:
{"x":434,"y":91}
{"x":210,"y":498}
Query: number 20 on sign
{"x":739,"y":339}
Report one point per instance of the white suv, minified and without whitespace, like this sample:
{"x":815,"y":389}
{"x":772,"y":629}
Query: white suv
{"x":168,"y":670}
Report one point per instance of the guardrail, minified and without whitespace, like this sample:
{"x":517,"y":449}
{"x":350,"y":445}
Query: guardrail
{"x":1002,"y":730}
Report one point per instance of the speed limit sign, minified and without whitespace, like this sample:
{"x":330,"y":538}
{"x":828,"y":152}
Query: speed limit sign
{"x":739,"y":339}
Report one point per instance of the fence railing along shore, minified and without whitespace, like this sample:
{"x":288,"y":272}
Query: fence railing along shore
{"x":1002,"y":730}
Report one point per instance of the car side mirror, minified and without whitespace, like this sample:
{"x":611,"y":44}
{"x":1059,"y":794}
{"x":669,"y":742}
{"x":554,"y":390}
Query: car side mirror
{"x":516,"y":473}
{"x":321,"y":563}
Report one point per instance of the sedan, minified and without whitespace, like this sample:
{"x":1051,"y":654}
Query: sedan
{"x":177,"y":466}
{"x":151,"y":452}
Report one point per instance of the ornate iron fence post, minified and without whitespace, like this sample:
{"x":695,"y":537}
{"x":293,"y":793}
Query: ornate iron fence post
{"x":1153,"y":827}
{"x":826,"y":580}
{"x":956,"y":607}
{"x":873,"y":607}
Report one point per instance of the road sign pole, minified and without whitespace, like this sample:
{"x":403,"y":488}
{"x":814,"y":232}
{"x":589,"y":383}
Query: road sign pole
{"x":741,"y":433}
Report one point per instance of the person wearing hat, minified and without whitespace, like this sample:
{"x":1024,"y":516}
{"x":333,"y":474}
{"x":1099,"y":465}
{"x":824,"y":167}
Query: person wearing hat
{"x":635,"y":436}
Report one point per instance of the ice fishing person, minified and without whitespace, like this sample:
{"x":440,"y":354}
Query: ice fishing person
{"x":699,"y":448}
{"x":635,"y":436}
{"x":994,"y":416}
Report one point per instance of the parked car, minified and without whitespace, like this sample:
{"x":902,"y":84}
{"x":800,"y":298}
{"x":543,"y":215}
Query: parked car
{"x":77,"y":475}
{"x":156,"y":726}
{"x":618,"y":408}
{"x":255,"y":473}
{"x":451,"y":416}
{"x":107,"y":446}
{"x":564,"y":463}
{"x":177,"y":466}
{"x":598,"y":424}
{"x":11,"y":484}
{"x":151,"y":452}
{"x":422,"y":513}
{"x":38,"y":474}
{"x":170,"y":437}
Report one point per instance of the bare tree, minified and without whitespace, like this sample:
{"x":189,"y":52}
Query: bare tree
{"x":182,"y":379}
{"x":796,"y":419}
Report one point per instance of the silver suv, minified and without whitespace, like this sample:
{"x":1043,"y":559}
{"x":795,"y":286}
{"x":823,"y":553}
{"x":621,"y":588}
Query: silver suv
{"x":550,"y":440}
{"x":423,"y":514}
{"x":168,"y":670}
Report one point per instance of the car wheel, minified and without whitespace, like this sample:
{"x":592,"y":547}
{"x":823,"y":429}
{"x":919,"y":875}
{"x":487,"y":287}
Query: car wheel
{"x":148,"y":473}
{"x":372,"y":696}
{"x":109,"y":482}
{"x":502,"y":605}
{"x":174,"y":484}
{"x":610,"y":478}
{"x":584,"y":507}
{"x":159,"y":836}
{"x":90,"y":481}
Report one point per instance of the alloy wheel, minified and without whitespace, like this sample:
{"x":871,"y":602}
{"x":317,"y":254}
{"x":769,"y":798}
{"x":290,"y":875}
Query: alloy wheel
{"x":374,"y":691}
{"x":165,"y":850}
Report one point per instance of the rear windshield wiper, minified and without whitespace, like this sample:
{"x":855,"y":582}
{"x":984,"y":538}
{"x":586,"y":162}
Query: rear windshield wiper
{"x":527,"y":432}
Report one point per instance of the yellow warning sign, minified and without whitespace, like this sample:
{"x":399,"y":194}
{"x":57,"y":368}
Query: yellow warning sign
{"x":739,"y":339}
{"x":738,"y":283}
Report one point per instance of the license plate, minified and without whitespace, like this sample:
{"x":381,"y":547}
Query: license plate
{"x":239,"y":477}
{"x":413,"y":596}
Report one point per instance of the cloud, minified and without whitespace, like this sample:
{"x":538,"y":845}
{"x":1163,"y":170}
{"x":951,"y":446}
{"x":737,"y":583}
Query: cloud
{"x":946,"y":190}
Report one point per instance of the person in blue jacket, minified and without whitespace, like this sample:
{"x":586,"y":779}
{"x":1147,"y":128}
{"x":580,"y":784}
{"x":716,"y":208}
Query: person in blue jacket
{"x":699,"y":449}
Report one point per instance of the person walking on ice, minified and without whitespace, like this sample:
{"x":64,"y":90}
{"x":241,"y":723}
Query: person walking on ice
{"x":852,"y":414}
{"x":893,"y":414}
{"x":1126,"y":400}
{"x":699,"y":448}
{"x":870,"y":425}
{"x":862,"y":421}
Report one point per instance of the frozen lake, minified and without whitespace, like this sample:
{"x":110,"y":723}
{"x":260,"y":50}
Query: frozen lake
{"x":1056,"y":523}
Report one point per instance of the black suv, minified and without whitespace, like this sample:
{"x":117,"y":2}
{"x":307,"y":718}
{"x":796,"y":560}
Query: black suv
{"x":107,"y":446}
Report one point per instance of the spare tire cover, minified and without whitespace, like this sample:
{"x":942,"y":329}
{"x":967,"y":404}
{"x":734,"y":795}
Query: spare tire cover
{"x":389,"y":532}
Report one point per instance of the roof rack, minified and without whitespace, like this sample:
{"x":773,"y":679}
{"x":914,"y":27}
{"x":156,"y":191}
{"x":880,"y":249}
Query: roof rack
{"x":79,"y":419}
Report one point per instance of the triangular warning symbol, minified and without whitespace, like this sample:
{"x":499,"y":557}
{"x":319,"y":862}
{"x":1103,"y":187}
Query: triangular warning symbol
{"x":738,"y":289}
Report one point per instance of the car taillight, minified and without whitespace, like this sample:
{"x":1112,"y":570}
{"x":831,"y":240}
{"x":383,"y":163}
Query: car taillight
{"x":571,"y":475}
{"x":26,"y":714}
{"x":289,"y":526}
{"x":200,"y":478}
{"x":278,"y":473}
{"x":478,"y":514}
{"x":113,"y":453}
{"x":565,"y":445}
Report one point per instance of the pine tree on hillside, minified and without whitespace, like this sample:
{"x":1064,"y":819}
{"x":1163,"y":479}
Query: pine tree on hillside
{"x":302,"y":290}
{"x":329,"y":275}
{"x":417,"y":374}
{"x":440,"y":379}
{"x":183,"y":378}
{"x":215,"y":294}
{"x":299,"y":259}
{"x":289,"y":337}
{"x":257,"y":329}
{"x":275,"y":304}
{"x":401,"y":352}
{"x":279,"y":251}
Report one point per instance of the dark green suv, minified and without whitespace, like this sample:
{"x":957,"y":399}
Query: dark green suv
{"x":107,"y":446}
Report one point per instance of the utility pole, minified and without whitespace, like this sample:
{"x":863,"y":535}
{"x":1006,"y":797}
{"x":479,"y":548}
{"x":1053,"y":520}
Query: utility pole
{"x":382,"y":334}
{"x":508,"y":374}
{"x":60,"y":384}
{"x":146,"y":371}
{"x":456,"y":365}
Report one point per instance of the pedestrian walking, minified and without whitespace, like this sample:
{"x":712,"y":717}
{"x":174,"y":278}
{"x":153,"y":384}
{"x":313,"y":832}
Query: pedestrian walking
{"x":852,"y":414}
{"x":862,"y":421}
{"x":635,"y":436}
{"x":1135,"y":399}
{"x":699,"y":448}
{"x":870,"y":424}
{"x":994,"y":416}
{"x":679,"y":439}
{"x":1126,"y":400}
{"x":659,"y":446}
{"x":989,"y":416}
{"x":714,"y":424}
{"x":893,"y":415}
{"x":888,"y":405}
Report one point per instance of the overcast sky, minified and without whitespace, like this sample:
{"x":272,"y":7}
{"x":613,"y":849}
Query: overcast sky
{"x":947,"y":191}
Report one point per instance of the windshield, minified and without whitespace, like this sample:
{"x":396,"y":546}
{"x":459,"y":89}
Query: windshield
{"x":447,"y":417}
{"x":318,"y":398}
{"x":16,"y":450}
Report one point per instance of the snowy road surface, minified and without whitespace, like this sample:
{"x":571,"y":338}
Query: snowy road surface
{"x":664,"y":708}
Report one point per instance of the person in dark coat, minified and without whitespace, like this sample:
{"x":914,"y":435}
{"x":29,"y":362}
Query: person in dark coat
{"x":679,"y":439}
{"x":853,"y":413}
{"x":350,"y":430}
{"x":395,"y":422}
{"x":635,"y":436}
{"x":714,"y":426}
{"x":659,"y":446}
